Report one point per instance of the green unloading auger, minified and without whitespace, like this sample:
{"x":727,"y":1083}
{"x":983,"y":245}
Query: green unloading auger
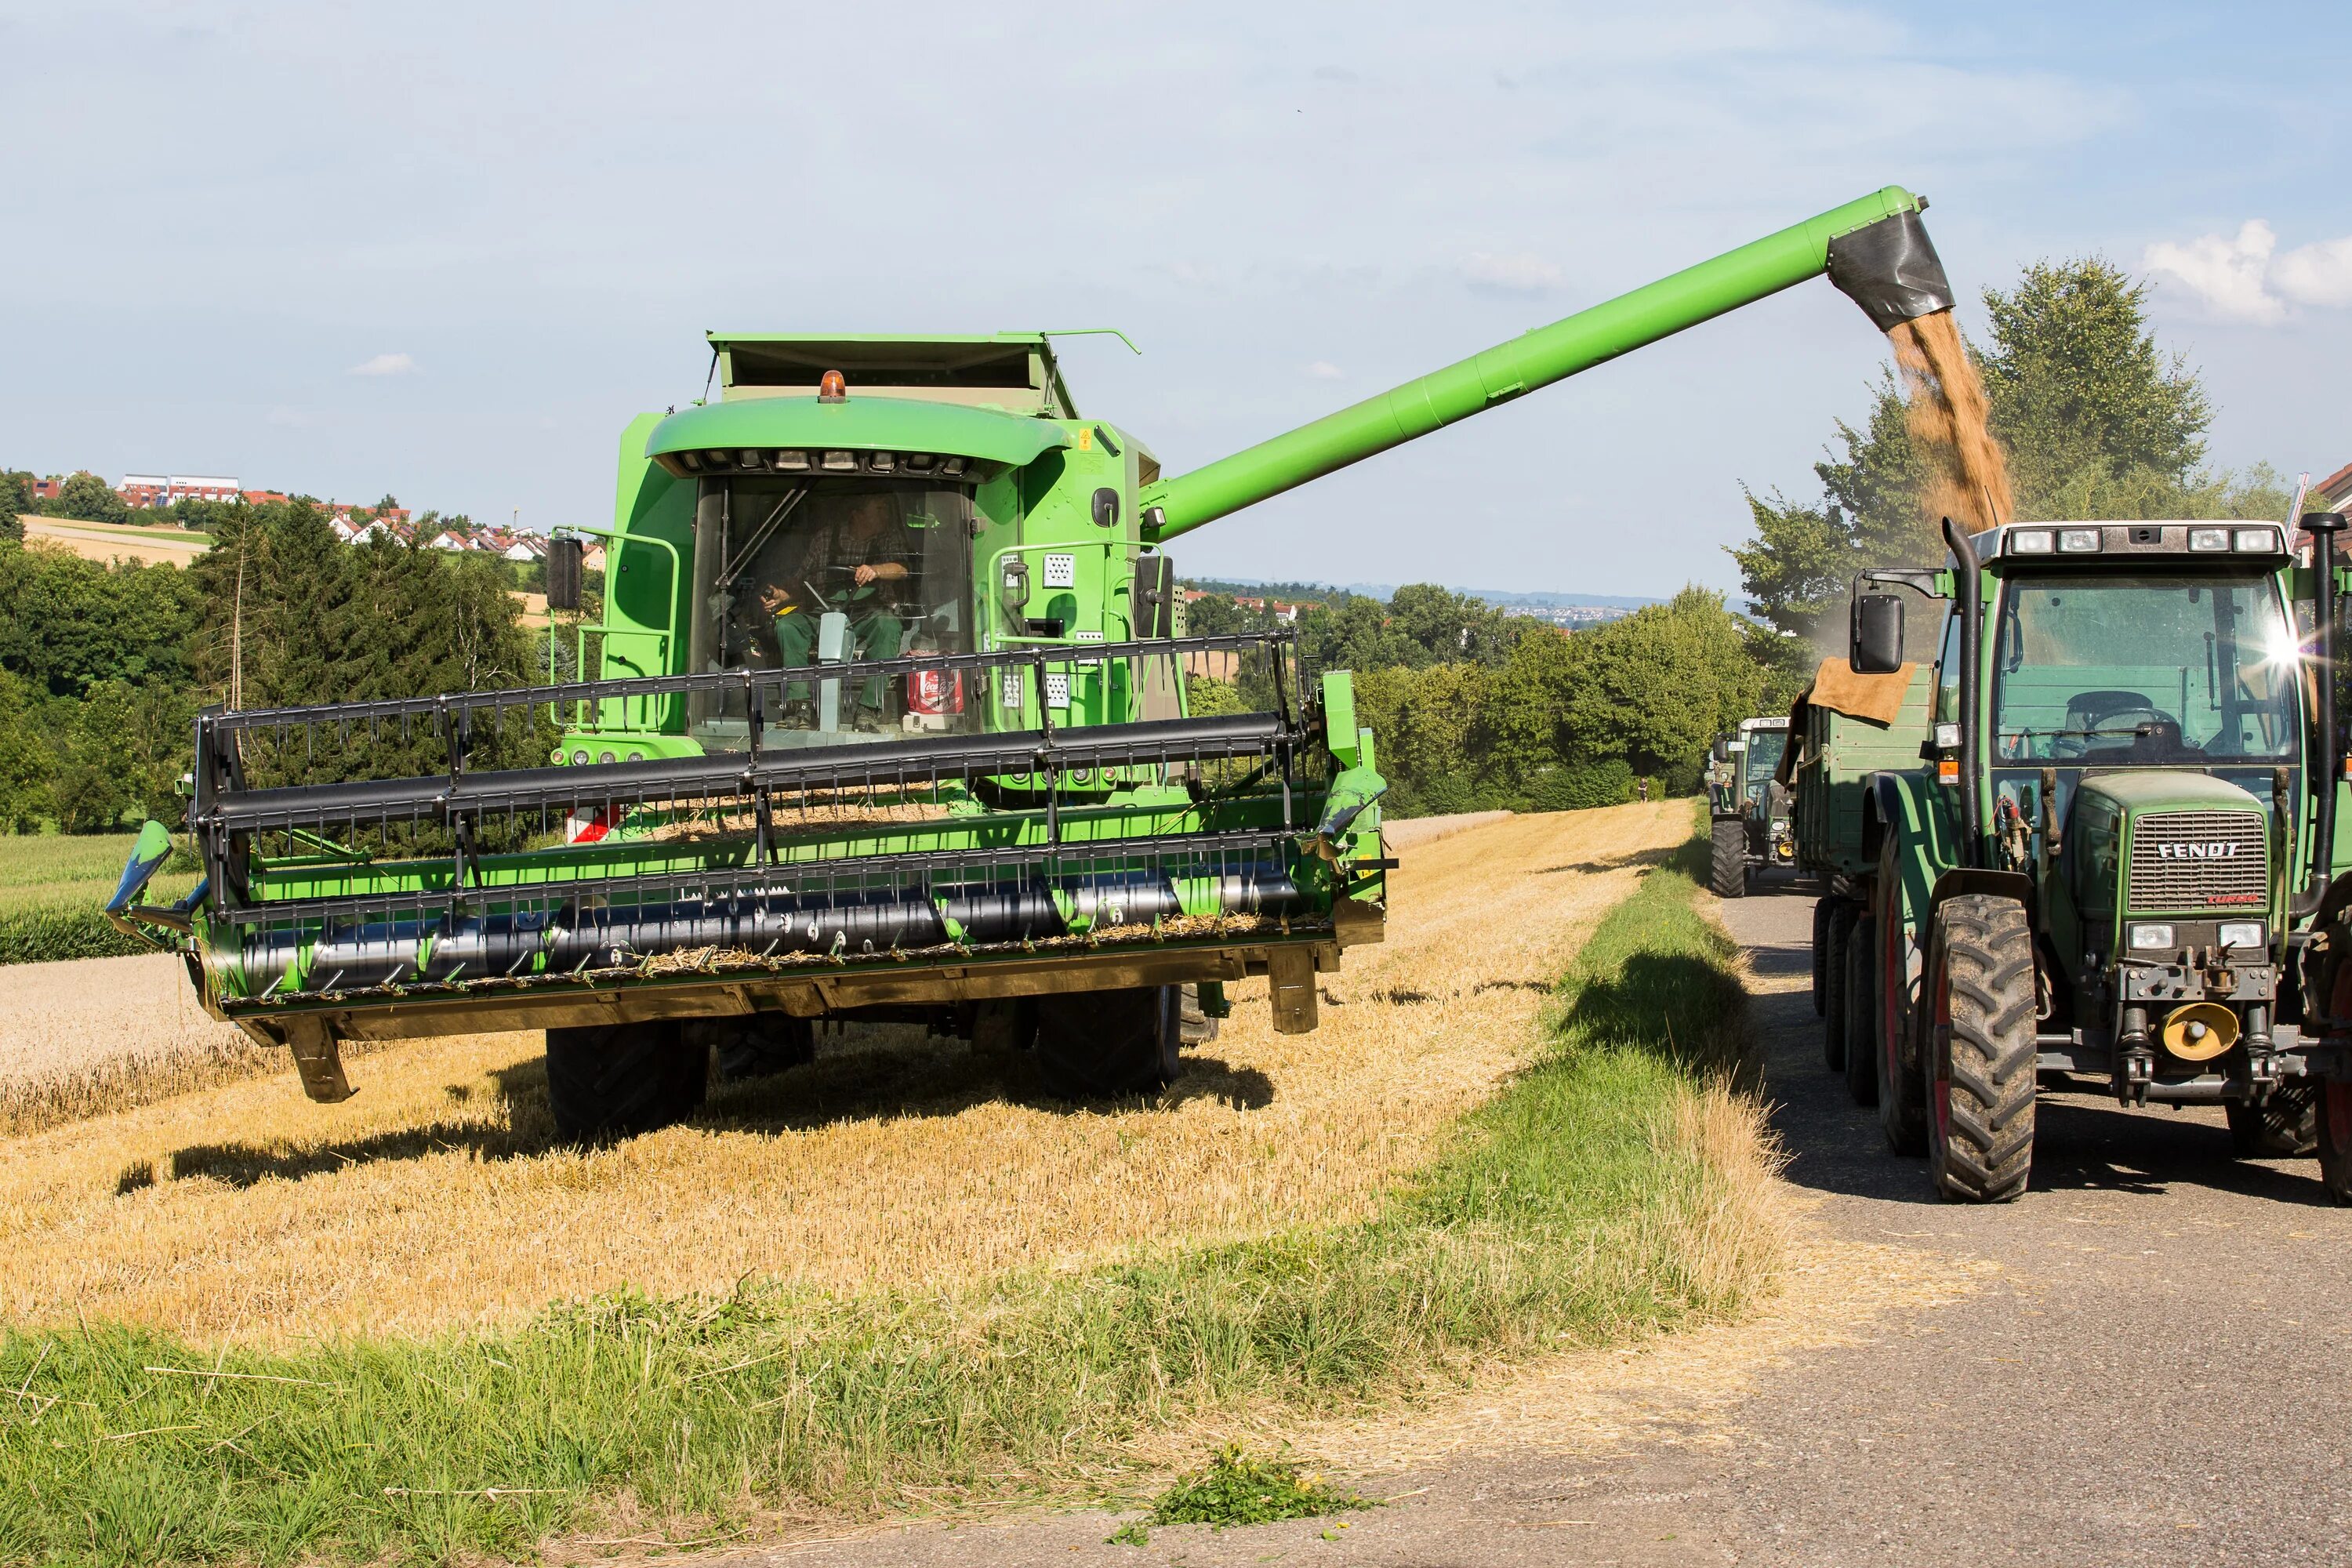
{"x":1875,"y":249}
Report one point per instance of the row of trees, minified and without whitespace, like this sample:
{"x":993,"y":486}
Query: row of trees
{"x":103,"y":668}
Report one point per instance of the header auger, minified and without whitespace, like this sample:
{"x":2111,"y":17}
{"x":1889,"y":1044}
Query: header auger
{"x":889,"y":713}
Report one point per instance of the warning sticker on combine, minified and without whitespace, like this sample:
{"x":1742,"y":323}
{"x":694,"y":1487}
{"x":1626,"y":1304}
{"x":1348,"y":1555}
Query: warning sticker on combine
{"x":1061,"y":570}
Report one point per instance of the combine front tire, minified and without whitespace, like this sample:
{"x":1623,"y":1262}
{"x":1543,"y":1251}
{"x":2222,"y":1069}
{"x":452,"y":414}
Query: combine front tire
{"x":1862,"y":1011}
{"x":1835,"y":935}
{"x":614,"y":1080}
{"x":2283,"y":1127}
{"x":1102,"y":1044}
{"x":1726,"y":876}
{"x":1981,"y":1050}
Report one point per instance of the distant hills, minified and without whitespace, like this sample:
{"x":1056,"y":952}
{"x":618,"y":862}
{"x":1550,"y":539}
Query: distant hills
{"x":1260,"y":587}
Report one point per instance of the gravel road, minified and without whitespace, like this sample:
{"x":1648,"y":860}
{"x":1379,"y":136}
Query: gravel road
{"x":2155,"y":1366}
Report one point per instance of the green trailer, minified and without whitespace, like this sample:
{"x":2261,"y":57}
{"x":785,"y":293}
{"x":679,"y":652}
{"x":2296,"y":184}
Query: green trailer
{"x":888,"y":710}
{"x":2109,"y":861}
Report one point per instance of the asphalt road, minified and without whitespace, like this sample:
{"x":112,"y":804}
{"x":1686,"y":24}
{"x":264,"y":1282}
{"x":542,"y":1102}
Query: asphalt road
{"x":2155,"y":1368}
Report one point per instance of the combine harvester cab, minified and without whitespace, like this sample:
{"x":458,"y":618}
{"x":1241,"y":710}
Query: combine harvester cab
{"x":2094,"y":839}
{"x":888,"y":711}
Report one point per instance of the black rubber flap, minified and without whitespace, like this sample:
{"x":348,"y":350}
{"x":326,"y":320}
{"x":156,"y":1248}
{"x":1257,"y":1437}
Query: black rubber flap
{"x":1890,"y":269}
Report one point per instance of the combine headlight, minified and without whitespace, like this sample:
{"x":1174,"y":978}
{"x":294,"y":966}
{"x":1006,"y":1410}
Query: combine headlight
{"x":918,"y":462}
{"x":604,"y":756}
{"x":2209,"y":539}
{"x":2078,"y":540}
{"x":580,"y":758}
{"x":2243,"y":933}
{"x":2149,"y":937}
{"x":882,"y":462}
{"x":840,"y":463}
{"x":951,"y":466}
{"x":2264,"y":540}
{"x":793,"y":462}
{"x":691,"y":461}
{"x":2030,"y":541}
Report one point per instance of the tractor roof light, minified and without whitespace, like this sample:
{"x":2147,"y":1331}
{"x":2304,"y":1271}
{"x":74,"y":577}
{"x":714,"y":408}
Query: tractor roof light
{"x":2030,"y":541}
{"x":2259,"y":540}
{"x":2209,"y":539}
{"x":2078,"y":540}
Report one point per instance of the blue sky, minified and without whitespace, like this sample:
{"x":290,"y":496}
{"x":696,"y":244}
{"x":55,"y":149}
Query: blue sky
{"x":448,"y":251}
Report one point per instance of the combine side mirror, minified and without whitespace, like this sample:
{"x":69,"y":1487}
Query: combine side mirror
{"x":1106,"y":508}
{"x":1876,"y":643}
{"x":563,"y":558}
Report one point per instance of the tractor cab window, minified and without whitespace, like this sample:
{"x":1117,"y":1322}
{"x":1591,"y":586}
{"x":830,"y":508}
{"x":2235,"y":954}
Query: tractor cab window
{"x":1761,"y":758}
{"x":800,"y":573}
{"x":2156,"y":668}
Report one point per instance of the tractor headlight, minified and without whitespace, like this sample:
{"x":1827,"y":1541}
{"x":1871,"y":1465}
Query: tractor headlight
{"x":2256,"y":539}
{"x":2151,"y":938}
{"x":2078,"y":540}
{"x":2245,"y":933}
{"x":2209,"y":539}
{"x":2030,"y":541}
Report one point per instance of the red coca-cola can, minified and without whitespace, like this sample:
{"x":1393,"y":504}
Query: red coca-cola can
{"x":935,"y":692}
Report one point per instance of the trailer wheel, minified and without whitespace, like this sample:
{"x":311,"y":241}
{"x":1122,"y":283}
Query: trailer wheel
{"x":2283,"y":1127}
{"x":1902,"y":1083}
{"x":1726,"y":876}
{"x":615,"y":1080}
{"x":1101,"y":1044}
{"x":1862,"y":1011}
{"x":1822,"y":907}
{"x":1840,"y":931}
{"x":2333,"y":1126}
{"x":1981,"y":1051}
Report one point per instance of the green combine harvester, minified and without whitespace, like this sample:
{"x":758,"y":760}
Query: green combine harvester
{"x":888,"y":713}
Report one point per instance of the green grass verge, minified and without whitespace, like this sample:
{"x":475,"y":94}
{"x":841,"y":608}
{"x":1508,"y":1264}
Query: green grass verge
{"x":1560,"y":1214}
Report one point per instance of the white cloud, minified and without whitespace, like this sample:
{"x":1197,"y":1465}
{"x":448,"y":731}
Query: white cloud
{"x":1324,"y":370}
{"x":2245,"y":279}
{"x":2229,"y":275}
{"x":1513,"y":272}
{"x":385,"y":364}
{"x":2317,"y":274}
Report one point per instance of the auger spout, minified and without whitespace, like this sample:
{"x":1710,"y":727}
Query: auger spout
{"x":1875,"y":250}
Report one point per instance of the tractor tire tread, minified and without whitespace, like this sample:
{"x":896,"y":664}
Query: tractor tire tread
{"x":1861,"y":1012}
{"x":1840,"y":931}
{"x":617,"y":1080}
{"x":1726,"y":876}
{"x":1987,"y":1153}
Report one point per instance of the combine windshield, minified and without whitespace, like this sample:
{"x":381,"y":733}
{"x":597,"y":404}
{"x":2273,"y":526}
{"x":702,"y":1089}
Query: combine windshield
{"x":792,"y":574}
{"x":2145,"y":668}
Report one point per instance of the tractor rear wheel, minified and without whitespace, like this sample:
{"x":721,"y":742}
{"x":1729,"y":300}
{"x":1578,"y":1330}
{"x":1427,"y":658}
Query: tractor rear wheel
{"x":1862,"y":1011}
{"x":2283,"y":1127}
{"x":2333,"y":1126}
{"x":1839,"y":931}
{"x":1101,"y":1044}
{"x":1726,"y":875}
{"x":615,"y":1080}
{"x":1982,"y":1053}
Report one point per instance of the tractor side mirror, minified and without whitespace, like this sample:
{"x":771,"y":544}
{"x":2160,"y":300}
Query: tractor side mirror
{"x":564,"y":569}
{"x":1721,"y":750}
{"x":1876,"y":641}
{"x":1106,"y":508}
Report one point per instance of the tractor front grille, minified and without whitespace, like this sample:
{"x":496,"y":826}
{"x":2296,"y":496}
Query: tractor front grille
{"x":2197,"y":860}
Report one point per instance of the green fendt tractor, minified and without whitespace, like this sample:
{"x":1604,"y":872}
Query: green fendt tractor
{"x":888,"y":713}
{"x":1748,"y":808}
{"x":2115,"y":858}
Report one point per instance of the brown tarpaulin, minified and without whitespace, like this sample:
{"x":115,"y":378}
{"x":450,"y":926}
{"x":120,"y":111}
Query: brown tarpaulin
{"x":1876,"y":699}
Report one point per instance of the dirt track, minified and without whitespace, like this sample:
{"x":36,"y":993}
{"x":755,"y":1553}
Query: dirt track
{"x":2147,"y":1360}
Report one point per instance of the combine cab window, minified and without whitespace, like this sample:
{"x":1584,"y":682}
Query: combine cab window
{"x":2153,"y":668}
{"x":795,"y":574}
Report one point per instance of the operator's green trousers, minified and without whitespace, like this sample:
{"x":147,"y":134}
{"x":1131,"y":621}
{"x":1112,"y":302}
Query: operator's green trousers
{"x":872,"y":634}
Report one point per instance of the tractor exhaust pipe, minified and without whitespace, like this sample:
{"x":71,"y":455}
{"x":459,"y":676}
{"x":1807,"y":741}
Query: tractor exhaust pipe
{"x":2323,"y":526}
{"x":1970,"y":586}
{"x":1891,"y":270}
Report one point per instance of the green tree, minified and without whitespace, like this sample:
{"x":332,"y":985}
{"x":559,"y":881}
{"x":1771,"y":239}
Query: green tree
{"x":89,"y":499}
{"x":25,"y":760}
{"x":1655,"y":687}
{"x":16,"y":502}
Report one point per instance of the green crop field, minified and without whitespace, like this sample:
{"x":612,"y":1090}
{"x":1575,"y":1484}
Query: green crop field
{"x":51,"y":887}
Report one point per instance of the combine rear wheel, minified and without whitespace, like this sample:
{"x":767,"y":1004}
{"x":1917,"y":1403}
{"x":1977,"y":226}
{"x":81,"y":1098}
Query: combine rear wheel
{"x":1100,"y":1044}
{"x":1862,"y":1011}
{"x":1982,"y":1051}
{"x":614,"y":1080}
{"x":1835,"y":935}
{"x":2283,"y":1127}
{"x":1726,"y":876}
